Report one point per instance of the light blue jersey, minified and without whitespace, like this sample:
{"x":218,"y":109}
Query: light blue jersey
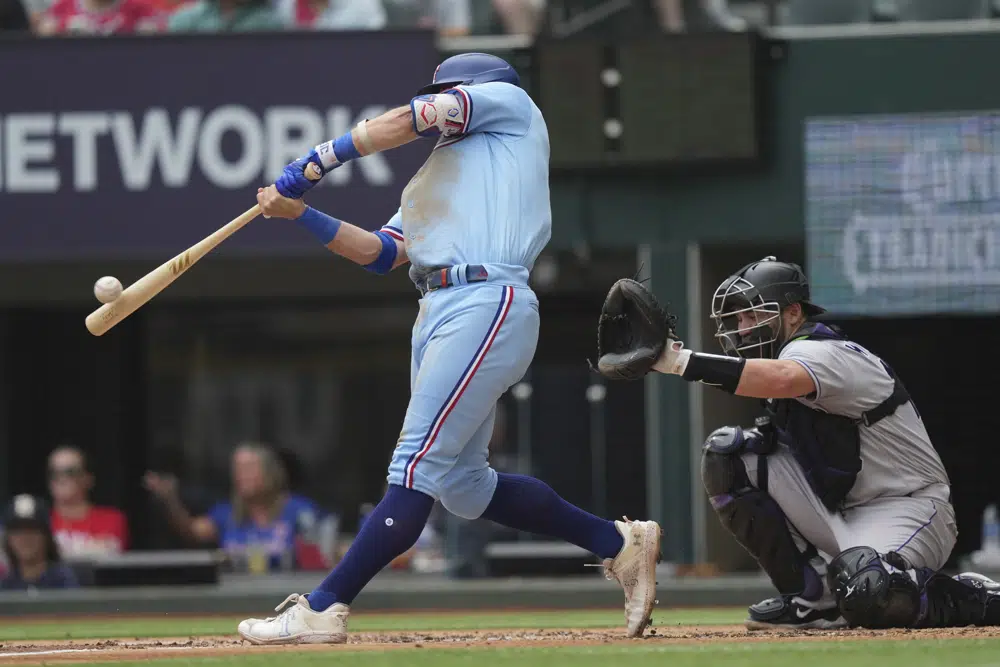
{"x":482,"y":197}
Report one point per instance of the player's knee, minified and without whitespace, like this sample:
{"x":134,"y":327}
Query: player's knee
{"x":468,"y":495}
{"x":459,"y":504}
{"x":872,"y":593}
{"x":722,"y":469}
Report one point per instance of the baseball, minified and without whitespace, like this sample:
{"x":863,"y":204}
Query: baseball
{"x":107,"y":289}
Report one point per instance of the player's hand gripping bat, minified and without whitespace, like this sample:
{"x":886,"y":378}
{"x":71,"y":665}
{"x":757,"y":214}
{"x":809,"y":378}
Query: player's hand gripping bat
{"x":143,"y":290}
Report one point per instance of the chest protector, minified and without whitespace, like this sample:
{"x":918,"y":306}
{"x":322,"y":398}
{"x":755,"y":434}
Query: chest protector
{"x":828,"y":446}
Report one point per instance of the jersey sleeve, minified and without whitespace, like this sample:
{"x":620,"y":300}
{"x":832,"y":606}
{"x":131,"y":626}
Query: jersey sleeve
{"x":496,"y":107}
{"x":394,"y":227}
{"x":849,"y":379}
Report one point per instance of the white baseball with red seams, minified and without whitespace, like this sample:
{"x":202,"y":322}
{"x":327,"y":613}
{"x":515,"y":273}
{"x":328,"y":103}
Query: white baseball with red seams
{"x":107,"y":289}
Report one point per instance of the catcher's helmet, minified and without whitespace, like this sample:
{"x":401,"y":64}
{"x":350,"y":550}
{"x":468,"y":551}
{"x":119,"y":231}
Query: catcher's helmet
{"x":761,"y":289}
{"x":469,"y":69}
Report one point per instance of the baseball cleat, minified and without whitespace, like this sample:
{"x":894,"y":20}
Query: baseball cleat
{"x":793,"y":613}
{"x":635,"y":569}
{"x":977,"y":580}
{"x":297,"y":623}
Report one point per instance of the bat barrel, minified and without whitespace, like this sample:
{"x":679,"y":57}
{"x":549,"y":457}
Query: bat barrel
{"x":141,"y":291}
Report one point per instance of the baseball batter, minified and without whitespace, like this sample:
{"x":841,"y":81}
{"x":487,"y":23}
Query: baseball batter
{"x":837,"y":490}
{"x":471,"y":223}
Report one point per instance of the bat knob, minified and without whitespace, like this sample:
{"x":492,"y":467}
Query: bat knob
{"x":313,"y":172}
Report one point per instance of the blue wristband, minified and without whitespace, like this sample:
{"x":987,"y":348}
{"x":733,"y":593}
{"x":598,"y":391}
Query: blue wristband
{"x":344,"y":148}
{"x":323,"y":226}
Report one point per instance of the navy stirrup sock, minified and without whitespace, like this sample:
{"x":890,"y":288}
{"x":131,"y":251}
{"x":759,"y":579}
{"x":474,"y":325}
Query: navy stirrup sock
{"x":392,"y":528}
{"x":528,"y":504}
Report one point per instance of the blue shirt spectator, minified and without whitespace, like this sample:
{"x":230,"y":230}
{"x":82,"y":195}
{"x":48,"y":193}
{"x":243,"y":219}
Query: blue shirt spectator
{"x":284,"y":543}
{"x":263,"y":527}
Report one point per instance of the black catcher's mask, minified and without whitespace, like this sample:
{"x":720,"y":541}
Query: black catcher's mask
{"x":760,"y":290}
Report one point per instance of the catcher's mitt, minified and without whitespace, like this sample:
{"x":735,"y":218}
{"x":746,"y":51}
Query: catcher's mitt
{"x":632,"y":331}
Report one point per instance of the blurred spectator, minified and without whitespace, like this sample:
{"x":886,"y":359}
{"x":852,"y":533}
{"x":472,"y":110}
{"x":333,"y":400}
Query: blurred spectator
{"x":520,"y":17}
{"x":13,"y":16}
{"x":683,"y":15}
{"x":101,"y":17}
{"x":31,"y":551}
{"x":81,"y":529}
{"x":333,"y":14}
{"x":263,"y":528}
{"x":167,"y":460}
{"x":450,"y":18}
{"x":225,"y":16}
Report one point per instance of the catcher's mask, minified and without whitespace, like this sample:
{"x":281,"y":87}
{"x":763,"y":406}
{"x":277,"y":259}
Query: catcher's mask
{"x":760,"y":291}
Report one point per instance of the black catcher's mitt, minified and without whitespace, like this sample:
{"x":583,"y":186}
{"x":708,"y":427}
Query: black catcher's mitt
{"x":632,"y":331}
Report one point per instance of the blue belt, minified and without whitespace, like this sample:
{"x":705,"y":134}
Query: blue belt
{"x":440,"y":278}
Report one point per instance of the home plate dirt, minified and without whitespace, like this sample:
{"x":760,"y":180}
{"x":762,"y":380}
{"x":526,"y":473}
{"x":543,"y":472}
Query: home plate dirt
{"x":81,"y":651}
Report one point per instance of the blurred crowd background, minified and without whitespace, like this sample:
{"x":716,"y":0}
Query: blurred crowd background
{"x":455,"y":18}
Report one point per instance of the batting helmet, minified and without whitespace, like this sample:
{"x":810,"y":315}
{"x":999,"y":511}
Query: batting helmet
{"x":761,"y":289}
{"x":468,"y":69}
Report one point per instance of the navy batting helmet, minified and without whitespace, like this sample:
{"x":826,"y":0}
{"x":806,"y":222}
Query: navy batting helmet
{"x":470,"y":68}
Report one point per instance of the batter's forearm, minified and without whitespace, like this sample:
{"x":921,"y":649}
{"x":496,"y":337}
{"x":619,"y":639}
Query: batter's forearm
{"x":392,"y":129}
{"x":377,"y":252}
{"x":356,"y":244}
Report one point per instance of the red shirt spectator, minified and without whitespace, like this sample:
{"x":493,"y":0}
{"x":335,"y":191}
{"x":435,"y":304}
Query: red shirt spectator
{"x":100,"y":531}
{"x":81,"y":529}
{"x":100,"y":17}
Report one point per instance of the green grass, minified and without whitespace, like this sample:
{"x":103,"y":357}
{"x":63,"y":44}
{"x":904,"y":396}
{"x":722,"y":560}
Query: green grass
{"x":653,"y":652}
{"x":185,"y":626}
{"x":928,"y":653}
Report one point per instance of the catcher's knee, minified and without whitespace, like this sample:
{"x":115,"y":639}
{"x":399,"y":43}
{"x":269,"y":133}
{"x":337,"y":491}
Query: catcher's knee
{"x":722,"y":469}
{"x":873,"y":593}
{"x":752,"y":516}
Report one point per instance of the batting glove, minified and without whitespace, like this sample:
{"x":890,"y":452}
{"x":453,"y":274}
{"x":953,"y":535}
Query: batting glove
{"x":293,"y":182}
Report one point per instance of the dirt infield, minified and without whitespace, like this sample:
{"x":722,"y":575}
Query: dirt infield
{"x":77,"y":651}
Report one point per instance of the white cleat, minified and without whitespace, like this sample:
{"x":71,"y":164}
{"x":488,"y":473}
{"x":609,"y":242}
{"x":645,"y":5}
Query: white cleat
{"x":635,"y":569}
{"x":298,"y":624}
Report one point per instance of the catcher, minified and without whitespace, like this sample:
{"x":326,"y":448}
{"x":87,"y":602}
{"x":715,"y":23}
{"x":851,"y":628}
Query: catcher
{"x":836,"y":490}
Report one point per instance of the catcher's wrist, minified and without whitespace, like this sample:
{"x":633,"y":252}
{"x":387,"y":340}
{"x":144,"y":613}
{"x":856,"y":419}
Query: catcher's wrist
{"x":674,"y":359}
{"x":717,"y":370}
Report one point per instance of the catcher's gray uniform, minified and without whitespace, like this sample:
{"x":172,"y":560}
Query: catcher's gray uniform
{"x":843,"y":481}
{"x":900,"y":501}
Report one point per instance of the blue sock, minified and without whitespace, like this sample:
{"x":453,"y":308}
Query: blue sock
{"x":392,"y":528}
{"x":531,"y":505}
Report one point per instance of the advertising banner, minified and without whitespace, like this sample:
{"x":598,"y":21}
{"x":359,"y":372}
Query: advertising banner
{"x":137,"y":147}
{"x":903,"y":213}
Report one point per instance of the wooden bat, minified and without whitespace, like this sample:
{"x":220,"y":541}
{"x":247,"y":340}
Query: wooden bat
{"x":141,"y":291}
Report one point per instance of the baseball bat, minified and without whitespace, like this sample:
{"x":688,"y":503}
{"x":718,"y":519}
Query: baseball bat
{"x":143,"y":290}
